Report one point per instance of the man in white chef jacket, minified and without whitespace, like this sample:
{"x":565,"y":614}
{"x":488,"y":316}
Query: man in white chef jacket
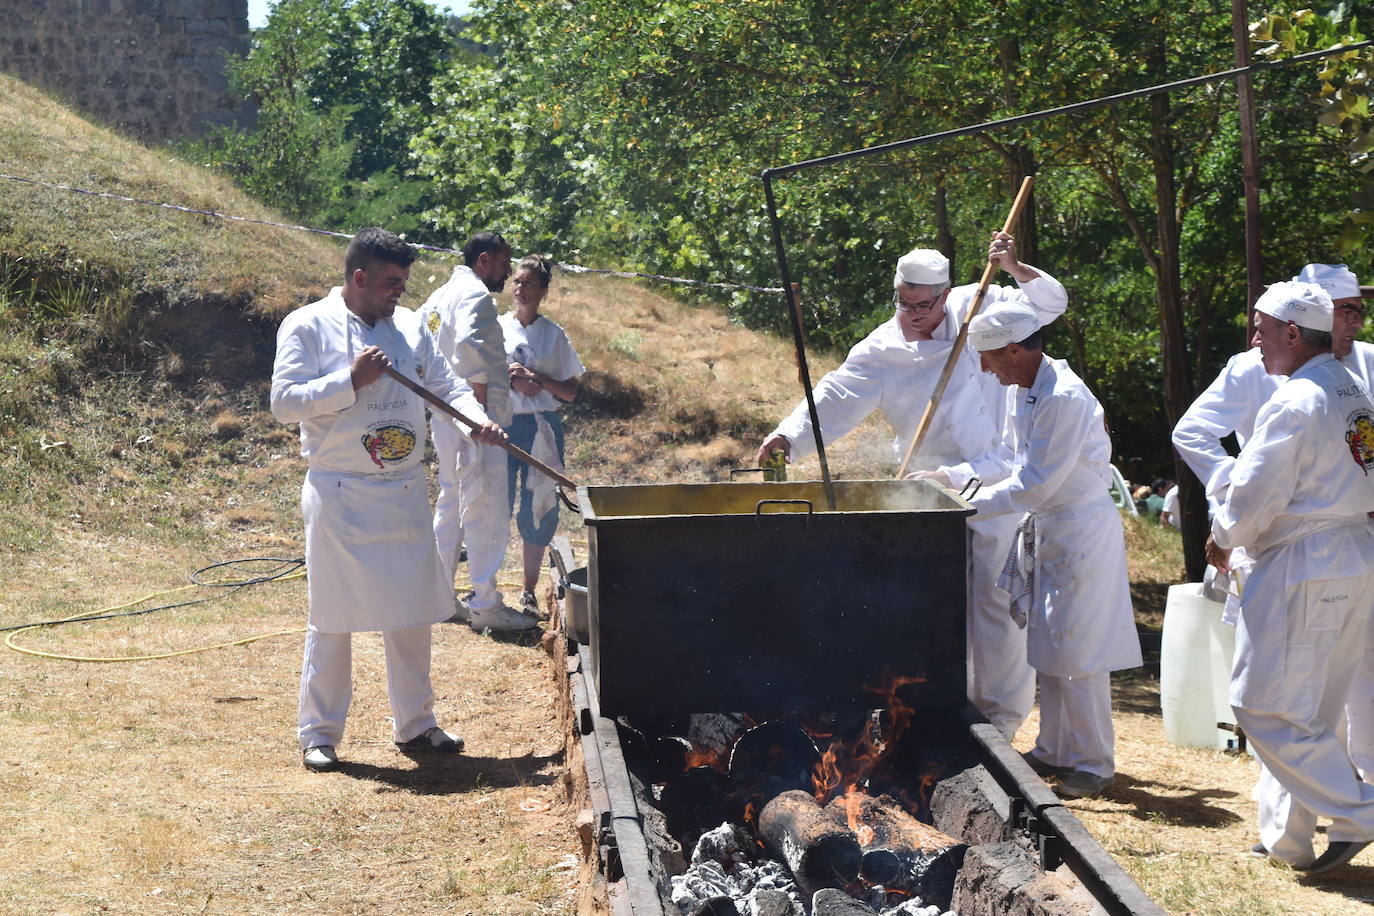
{"x":1066,"y":573}
{"x":369,"y":545}
{"x":1298,"y":501}
{"x":471,"y":512}
{"x":1230,"y":405}
{"x":894,"y":370}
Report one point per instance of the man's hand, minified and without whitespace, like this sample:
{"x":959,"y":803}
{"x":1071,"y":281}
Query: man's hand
{"x":1002,"y":252}
{"x":523,"y":381}
{"x":939,"y":477}
{"x":368,"y":366}
{"x":490,"y":433}
{"x":775,"y":441}
{"x":1220,"y":557}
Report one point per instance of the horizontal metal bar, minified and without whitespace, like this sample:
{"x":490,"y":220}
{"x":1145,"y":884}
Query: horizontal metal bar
{"x":779,"y":171}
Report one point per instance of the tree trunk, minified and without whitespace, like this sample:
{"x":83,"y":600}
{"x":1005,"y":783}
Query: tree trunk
{"x":1169,"y":290}
{"x":944,"y":234}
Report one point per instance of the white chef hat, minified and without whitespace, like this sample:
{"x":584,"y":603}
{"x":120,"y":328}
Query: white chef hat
{"x":1337,"y":279}
{"x":923,"y":267}
{"x":1305,"y":304}
{"x":1003,"y":324}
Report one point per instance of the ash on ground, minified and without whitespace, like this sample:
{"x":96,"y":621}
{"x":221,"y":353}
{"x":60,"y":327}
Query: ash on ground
{"x":727,"y":862}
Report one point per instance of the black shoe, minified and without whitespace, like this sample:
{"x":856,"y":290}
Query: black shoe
{"x":1042,"y":768}
{"x":432,"y":740}
{"x":1259,"y":852}
{"x":1336,"y":855}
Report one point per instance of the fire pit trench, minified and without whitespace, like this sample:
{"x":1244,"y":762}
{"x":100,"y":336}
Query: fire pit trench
{"x":867,"y":785}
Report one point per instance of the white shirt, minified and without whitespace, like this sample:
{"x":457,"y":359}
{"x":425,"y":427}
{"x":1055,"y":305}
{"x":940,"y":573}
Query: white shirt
{"x":461,"y":315}
{"x":1230,"y":405}
{"x":886,"y":372}
{"x":1305,"y":474}
{"x":1059,"y":439}
{"x":542,"y":347}
{"x":312,"y":379}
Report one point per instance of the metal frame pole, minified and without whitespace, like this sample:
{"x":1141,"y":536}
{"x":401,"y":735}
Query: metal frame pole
{"x":794,"y":316}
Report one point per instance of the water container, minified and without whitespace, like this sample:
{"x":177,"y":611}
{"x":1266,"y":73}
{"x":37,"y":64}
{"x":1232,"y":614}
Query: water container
{"x":1195,"y":669}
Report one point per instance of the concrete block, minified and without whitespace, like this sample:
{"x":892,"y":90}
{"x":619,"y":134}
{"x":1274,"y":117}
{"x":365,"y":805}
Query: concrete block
{"x":971,"y":807}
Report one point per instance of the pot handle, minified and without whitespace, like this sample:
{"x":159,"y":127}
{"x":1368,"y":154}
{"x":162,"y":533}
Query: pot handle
{"x":758,"y":507}
{"x":973,"y":486}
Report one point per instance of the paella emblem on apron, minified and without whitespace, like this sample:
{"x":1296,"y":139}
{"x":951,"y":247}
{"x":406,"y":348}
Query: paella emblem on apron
{"x":389,"y":442}
{"x":1359,"y":435}
{"x":432,"y":322}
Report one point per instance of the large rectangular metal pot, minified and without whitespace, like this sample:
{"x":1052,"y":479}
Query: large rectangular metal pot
{"x":734,"y":597}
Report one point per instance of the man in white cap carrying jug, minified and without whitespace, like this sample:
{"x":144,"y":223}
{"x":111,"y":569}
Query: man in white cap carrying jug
{"x":1066,"y":573}
{"x":894,"y":369}
{"x":1298,"y":501}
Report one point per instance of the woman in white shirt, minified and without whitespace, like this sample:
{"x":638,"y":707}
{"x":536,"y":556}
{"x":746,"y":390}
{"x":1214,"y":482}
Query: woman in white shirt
{"x":544,"y":372}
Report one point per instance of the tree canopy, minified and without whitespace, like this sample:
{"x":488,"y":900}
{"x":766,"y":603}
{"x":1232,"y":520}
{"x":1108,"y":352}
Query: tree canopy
{"x":628,"y":133}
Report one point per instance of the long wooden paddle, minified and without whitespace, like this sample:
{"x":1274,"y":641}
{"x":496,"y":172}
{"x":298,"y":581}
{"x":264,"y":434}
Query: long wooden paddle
{"x":958,"y":349}
{"x":458,"y":415}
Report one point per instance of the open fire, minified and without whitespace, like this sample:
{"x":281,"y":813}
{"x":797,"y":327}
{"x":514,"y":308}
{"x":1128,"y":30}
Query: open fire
{"x":818,"y":796}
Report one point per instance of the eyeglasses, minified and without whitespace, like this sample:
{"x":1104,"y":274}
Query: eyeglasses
{"x":924,"y":305}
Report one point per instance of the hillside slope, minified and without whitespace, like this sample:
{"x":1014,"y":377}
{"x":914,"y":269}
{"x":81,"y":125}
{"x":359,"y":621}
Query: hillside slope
{"x":138,"y":342}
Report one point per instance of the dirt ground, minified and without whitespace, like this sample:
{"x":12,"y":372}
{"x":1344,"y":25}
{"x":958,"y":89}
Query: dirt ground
{"x":175,"y":786}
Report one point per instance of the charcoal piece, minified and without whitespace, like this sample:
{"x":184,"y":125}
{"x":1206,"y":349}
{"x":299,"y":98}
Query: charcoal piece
{"x":819,"y":850}
{"x":829,"y":901}
{"x":717,"y":906}
{"x":668,"y":757}
{"x":772,"y":903}
{"x":691,"y":803}
{"x":714,"y":733}
{"x":927,"y":860}
{"x":770,"y":759}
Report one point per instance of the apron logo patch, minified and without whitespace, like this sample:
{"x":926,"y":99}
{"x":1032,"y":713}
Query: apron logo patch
{"x":432,"y":322}
{"x":1359,"y":436}
{"x":390,"y":442}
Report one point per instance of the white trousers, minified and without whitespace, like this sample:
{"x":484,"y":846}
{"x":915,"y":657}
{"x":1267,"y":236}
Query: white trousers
{"x":1001,"y":683}
{"x":1359,"y":710}
{"x":327,"y":685}
{"x":472,"y":510}
{"x":1307,"y":769}
{"x":1076,"y":723}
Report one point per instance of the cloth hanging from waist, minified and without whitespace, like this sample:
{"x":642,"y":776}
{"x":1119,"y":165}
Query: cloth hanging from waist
{"x":539,"y":485}
{"x":1018,"y":572}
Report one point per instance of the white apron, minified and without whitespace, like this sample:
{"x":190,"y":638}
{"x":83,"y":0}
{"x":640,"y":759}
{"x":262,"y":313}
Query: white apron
{"x":1080,"y":620}
{"x":369,"y":541}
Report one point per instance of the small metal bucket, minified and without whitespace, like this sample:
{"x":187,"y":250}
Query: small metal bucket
{"x":574,"y":588}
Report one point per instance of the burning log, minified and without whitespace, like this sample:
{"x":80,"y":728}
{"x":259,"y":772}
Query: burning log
{"x":820,"y":851}
{"x":831,"y":902}
{"x":902,"y":852}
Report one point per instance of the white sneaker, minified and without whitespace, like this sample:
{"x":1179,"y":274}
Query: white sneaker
{"x":320,"y":758}
{"x":500,"y":619}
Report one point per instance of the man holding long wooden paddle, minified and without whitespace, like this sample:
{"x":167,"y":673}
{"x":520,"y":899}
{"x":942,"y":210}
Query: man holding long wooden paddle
{"x":368,"y":541}
{"x":895,"y":369}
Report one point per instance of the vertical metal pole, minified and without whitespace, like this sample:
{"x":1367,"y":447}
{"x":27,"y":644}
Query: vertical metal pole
{"x":794,"y":317}
{"x":1249,"y":151}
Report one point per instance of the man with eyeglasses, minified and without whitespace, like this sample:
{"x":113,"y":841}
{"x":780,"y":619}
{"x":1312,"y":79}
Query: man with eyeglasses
{"x":894,"y":369}
{"x":1229,"y":406}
